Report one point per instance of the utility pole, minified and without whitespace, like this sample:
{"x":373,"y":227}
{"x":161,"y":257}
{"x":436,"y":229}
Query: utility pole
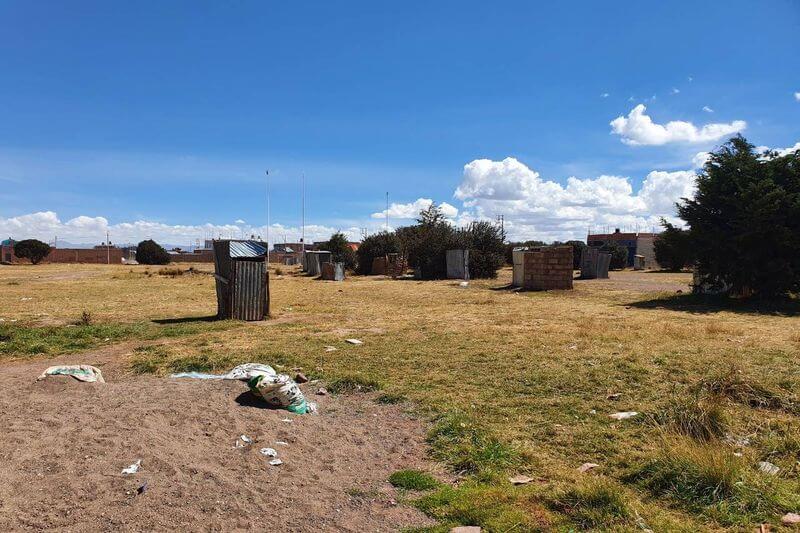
{"x":303,"y":216}
{"x":268,"y":213}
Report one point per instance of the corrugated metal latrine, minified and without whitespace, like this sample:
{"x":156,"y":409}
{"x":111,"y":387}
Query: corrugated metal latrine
{"x":242,"y":280}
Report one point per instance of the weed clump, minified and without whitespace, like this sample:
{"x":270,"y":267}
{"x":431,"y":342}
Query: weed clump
{"x":171,"y":272}
{"x":708,"y":478}
{"x":695,"y":415}
{"x":390,"y":398}
{"x":353,"y":383}
{"x":595,"y":503}
{"x":737,"y":387}
{"x":85,"y":319}
{"x":413,"y":480}
{"x":469,"y":449}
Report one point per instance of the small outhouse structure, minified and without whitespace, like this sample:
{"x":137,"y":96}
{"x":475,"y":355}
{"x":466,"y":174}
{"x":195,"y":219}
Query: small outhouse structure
{"x":315,"y":259}
{"x":457,"y":264}
{"x":242,"y":278}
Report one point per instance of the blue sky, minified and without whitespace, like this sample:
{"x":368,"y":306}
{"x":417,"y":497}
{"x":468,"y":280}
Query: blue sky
{"x":165,"y":115}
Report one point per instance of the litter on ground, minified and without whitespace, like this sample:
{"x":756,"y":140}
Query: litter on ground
{"x":243,"y":441}
{"x":132,"y":469}
{"x":269,"y":452}
{"x":330,"y":348}
{"x":85,"y":373}
{"x":353,"y":341}
{"x":768,"y":468}
{"x":278,"y":390}
{"x":520,"y":479}
{"x":624,"y":415}
{"x":276,"y":462}
{"x":585,"y":467}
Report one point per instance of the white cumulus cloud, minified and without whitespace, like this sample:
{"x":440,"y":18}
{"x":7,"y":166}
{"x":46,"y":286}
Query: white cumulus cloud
{"x":412,"y":210}
{"x":797,"y":96}
{"x":700,"y":158}
{"x":639,"y":129}
{"x":544,"y":209}
{"x":707,"y":109}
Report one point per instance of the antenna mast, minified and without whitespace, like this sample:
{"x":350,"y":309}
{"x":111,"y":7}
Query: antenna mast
{"x":268,"y":213}
{"x":303,"y":215}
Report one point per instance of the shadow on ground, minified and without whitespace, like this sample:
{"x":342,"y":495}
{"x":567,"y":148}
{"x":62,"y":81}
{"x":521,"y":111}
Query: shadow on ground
{"x":186,"y":320}
{"x":702,"y":304}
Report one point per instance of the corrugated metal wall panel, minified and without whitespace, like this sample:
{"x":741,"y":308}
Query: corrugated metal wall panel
{"x":249,"y":301}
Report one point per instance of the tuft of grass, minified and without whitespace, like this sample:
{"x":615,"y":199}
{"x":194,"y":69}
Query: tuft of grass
{"x":468,"y":448}
{"x":85,"y":319}
{"x":353,"y":383}
{"x":278,"y":271}
{"x":171,"y":272}
{"x":696,"y":415}
{"x":157,"y":359}
{"x":390,"y":398}
{"x":707,"y":478}
{"x":595,"y":503}
{"x":413,"y":480}
{"x":736,"y":386}
{"x":494,"y":508}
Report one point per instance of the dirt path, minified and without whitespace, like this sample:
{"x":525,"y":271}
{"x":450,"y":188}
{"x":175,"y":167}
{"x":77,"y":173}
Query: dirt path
{"x":65,"y":443}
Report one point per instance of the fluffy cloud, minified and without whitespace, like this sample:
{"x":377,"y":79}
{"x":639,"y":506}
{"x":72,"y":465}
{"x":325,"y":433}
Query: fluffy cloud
{"x":84,"y":230}
{"x":543,"y":209}
{"x":639,"y":129}
{"x":787,"y":151}
{"x":707,"y":109}
{"x":700,"y":158}
{"x":797,"y":96}
{"x":412,"y":209}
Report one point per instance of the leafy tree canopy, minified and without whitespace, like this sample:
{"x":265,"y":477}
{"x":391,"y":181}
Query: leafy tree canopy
{"x":32,"y":249}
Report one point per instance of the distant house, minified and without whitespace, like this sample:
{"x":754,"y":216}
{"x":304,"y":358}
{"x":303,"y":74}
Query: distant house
{"x":7,"y":251}
{"x":636,"y":243}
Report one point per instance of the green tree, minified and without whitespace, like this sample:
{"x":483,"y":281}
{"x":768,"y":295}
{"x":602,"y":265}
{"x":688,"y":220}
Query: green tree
{"x":149,"y":252}
{"x":484,"y":240}
{"x":745,"y":220}
{"x":619,"y":254}
{"x":673,"y":247}
{"x":509,"y":248}
{"x":377,"y":245}
{"x":32,"y":249}
{"x":340,"y":249}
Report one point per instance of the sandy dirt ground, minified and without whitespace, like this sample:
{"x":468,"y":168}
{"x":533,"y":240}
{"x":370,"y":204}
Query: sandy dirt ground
{"x":65,"y":443}
{"x":640,"y":282}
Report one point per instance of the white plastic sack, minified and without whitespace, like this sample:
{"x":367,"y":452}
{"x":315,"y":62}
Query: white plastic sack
{"x":87,"y":373}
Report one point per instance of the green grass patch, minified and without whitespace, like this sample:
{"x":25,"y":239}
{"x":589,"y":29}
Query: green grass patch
{"x":353,"y":383}
{"x":706,"y":478}
{"x":696,"y":415}
{"x":468,"y":448}
{"x":390,"y":398}
{"x":735,"y":385}
{"x":494,"y":508}
{"x":595,"y":503}
{"x":29,"y":341}
{"x":413,"y":480}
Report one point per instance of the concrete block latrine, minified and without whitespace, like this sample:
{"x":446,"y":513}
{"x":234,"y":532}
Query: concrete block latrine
{"x":545,"y":268}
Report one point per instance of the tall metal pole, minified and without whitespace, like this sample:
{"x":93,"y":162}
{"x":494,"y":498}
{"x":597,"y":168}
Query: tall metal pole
{"x":303,"y":216}
{"x":268,"y":216}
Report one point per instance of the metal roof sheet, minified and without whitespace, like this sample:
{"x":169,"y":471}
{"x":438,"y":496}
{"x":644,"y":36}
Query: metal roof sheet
{"x":247,"y":249}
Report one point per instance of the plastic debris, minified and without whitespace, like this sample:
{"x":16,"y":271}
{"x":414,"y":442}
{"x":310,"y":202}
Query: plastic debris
{"x":353,"y":341}
{"x":278,"y":390}
{"x":132,"y":469}
{"x":243,"y":441}
{"x":790,"y":519}
{"x":269,"y":452}
{"x":464,"y":284}
{"x":624,"y":415}
{"x":585,"y":467}
{"x":322,"y":391}
{"x":520,"y":479}
{"x":287,"y":420}
{"x":330,"y":348}
{"x":276,"y":462}
{"x":768,"y":468}
{"x":87,"y":373}
{"x":281,"y":443}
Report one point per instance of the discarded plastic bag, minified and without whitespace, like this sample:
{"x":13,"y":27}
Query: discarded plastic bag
{"x":278,"y":390}
{"x":87,"y":373}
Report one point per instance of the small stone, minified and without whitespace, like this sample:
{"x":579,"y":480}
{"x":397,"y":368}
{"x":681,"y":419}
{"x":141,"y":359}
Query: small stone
{"x":353,"y":341}
{"x":614,"y":396}
{"x":330,"y":348}
{"x":520,"y":479}
{"x":585,"y":467}
{"x":790,"y":519}
{"x":300,"y":378}
{"x":322,"y":391}
{"x":276,"y":462}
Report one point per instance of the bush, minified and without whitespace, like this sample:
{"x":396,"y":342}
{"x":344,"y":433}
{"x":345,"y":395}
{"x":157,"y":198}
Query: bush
{"x":673,"y":247}
{"x":428,"y":242}
{"x":745,"y":220}
{"x":486,"y":249}
{"x":377,"y":245}
{"x":149,"y":252}
{"x":619,"y":255}
{"x":340,"y":250}
{"x":32,"y":249}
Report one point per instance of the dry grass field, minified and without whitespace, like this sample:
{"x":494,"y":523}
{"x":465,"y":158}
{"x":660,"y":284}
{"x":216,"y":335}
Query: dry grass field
{"x":509,"y":382}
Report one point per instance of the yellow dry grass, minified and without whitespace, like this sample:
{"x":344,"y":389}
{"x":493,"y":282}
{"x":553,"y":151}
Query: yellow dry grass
{"x":536,"y":369}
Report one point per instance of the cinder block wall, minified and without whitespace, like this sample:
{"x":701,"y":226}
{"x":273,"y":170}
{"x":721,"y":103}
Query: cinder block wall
{"x":548,"y":268}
